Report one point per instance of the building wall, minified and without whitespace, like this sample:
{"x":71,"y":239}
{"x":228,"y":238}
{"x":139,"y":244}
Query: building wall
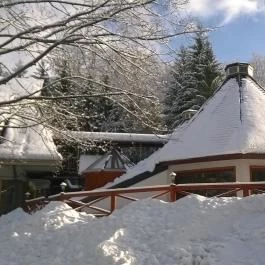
{"x":242,"y":167}
{"x":158,"y":179}
{"x":96,"y":179}
{"x":6,"y":172}
{"x":14,"y":183}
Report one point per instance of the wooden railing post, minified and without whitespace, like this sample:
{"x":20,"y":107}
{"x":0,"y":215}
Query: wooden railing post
{"x":172,"y":192}
{"x":61,"y":198}
{"x":112,"y":202}
{"x":245,"y":192}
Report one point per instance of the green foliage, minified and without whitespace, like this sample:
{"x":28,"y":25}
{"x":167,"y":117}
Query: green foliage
{"x":84,"y":112}
{"x":195,"y":76}
{"x":182,"y":92}
{"x":205,"y":66}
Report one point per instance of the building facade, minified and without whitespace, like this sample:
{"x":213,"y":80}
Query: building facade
{"x":28,"y":156}
{"x":223,"y":142}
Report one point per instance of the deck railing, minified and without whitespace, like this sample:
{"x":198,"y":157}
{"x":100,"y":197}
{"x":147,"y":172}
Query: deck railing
{"x":104,"y":202}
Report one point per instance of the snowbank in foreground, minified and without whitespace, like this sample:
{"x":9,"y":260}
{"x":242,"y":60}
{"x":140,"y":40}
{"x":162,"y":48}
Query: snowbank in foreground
{"x":191,"y":231}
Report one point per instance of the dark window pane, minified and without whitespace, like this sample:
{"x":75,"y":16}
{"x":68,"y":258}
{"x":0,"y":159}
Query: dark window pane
{"x":211,"y":176}
{"x":243,"y":69}
{"x":233,"y":70}
{"x":258,"y":174}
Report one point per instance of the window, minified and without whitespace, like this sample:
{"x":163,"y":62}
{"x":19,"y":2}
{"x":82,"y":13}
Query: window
{"x":210,"y":175}
{"x":232,"y":70}
{"x":243,"y":69}
{"x":257,"y":173}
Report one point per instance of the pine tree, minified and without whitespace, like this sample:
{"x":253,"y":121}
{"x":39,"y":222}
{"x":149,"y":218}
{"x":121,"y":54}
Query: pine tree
{"x":182,"y":92}
{"x":204,"y":65}
{"x":100,"y":110}
{"x":109,"y":113}
{"x":195,"y":76}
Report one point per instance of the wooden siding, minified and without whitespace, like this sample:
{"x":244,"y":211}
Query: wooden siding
{"x":95,"y":180}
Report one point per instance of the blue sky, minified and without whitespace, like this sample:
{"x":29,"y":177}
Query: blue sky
{"x":239,"y":39}
{"x":241,"y":26}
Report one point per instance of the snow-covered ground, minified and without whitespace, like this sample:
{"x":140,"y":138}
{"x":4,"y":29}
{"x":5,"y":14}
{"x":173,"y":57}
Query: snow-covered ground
{"x":192,"y":231}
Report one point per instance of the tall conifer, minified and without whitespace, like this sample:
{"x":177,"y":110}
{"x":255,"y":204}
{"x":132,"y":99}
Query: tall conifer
{"x":204,"y":65}
{"x":195,"y":75}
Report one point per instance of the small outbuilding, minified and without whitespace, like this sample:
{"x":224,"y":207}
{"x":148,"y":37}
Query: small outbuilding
{"x":28,"y":155}
{"x":98,"y":170}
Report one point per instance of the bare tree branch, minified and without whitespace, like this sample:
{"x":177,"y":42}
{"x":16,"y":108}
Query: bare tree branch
{"x":100,"y":52}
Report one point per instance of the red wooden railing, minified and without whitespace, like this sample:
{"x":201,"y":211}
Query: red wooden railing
{"x":90,"y":201}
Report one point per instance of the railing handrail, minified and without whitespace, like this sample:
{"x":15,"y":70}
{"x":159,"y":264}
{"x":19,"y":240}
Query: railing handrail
{"x":177,"y":187}
{"x":88,"y":199}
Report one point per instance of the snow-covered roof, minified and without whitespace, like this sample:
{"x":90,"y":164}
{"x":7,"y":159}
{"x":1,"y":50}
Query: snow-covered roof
{"x":122,"y":138}
{"x":85,"y":161}
{"x":110,"y":161}
{"x":22,"y":140}
{"x":231,"y":122}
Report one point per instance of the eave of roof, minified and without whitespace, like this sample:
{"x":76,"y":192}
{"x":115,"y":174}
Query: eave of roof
{"x":214,"y":158}
{"x":122,"y":139}
{"x":138,"y":178}
{"x":104,"y":170}
{"x":31,"y":162}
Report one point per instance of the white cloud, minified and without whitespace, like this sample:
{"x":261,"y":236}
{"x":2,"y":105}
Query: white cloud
{"x":228,"y":9}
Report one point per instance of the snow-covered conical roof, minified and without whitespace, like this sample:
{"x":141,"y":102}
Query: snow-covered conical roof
{"x":232,"y":122}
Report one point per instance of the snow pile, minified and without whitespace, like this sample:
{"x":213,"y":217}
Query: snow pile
{"x":192,"y":231}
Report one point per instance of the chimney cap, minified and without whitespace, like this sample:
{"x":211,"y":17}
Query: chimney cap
{"x":239,"y":69}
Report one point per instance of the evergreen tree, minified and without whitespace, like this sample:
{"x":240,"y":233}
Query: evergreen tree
{"x":204,"y":65}
{"x":98,"y":113}
{"x":182,"y":93}
{"x":108,"y":119}
{"x":195,"y":76}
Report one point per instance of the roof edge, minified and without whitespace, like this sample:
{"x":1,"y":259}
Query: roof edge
{"x":34,"y":162}
{"x":104,"y":170}
{"x":214,"y":158}
{"x":138,"y":178}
